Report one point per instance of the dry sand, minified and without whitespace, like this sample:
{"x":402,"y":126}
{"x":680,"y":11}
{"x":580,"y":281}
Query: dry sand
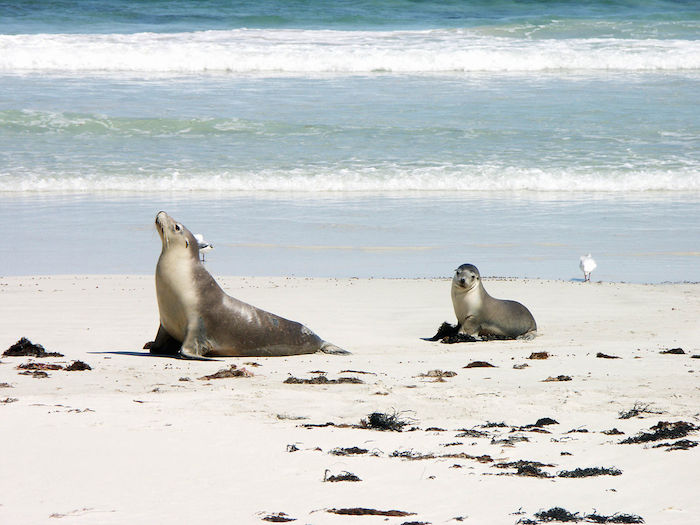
{"x":143,"y":440}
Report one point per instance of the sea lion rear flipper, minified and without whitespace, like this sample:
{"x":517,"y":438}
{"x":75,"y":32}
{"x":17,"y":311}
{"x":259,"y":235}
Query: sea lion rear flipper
{"x":527,"y":336}
{"x":330,"y":348}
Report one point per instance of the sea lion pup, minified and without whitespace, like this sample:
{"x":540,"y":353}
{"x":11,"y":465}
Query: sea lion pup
{"x":479,"y":314}
{"x":198,"y":319}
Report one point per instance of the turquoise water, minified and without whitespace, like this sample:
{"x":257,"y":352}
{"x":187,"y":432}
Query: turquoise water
{"x":638,"y":18}
{"x":379,"y":138}
{"x":508,"y":132}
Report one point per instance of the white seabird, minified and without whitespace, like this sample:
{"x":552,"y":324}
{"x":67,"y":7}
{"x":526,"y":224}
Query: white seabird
{"x":587,"y":265}
{"x":204,"y":246}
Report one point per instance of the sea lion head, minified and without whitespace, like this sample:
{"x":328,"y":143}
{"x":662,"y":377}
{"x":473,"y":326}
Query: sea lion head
{"x":466,"y":277}
{"x":175,"y":236}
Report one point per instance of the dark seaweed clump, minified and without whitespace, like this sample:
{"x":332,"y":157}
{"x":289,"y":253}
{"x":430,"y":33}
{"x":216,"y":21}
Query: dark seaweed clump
{"x":320,"y":425}
{"x":24,"y":347}
{"x":613,"y":432}
{"x":615,"y":518}
{"x":39,"y":366}
{"x":543,"y":421}
{"x":409,"y":454}
{"x":78,"y":366}
{"x":439,"y":375}
{"x":40,"y":374}
{"x":588,"y":472}
{"x":510,"y":440}
{"x":323,"y":380}
{"x":562,"y":515}
{"x":494,"y":424}
{"x":637,"y":410}
{"x":382,"y":421}
{"x":558,"y":378}
{"x":472,"y":433}
{"x":532,"y":471}
{"x":361,"y":511}
{"x":344,"y":476}
{"x":279,"y":517}
{"x":523,"y":467}
{"x":458,"y":338}
{"x":663,"y":430}
{"x":479,"y":364}
{"x":681,"y":444}
{"x":349,"y":451}
{"x":232,"y":371}
{"x":673,"y":351}
{"x":75,"y":365}
{"x":557,"y":514}
{"x":446,"y":330}
{"x":521,"y":463}
{"x":416,"y":456}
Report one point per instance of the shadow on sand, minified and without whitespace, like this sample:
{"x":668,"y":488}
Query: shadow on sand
{"x":135,"y":354}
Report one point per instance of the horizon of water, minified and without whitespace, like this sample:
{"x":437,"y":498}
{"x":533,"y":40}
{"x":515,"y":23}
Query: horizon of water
{"x":372,"y":138}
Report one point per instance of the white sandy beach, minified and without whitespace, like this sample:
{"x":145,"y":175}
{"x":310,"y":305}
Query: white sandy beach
{"x":131,"y":442}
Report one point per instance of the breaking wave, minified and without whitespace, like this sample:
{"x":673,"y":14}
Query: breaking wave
{"x":251,"y":51}
{"x":383,"y":178}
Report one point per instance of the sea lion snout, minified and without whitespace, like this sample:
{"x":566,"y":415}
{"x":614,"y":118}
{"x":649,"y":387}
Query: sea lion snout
{"x":161,"y":222}
{"x":160,"y":217}
{"x":166,"y":222}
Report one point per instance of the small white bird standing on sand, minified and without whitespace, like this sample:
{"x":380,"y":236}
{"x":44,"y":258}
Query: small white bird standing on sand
{"x":587,"y":265}
{"x":204,"y":246}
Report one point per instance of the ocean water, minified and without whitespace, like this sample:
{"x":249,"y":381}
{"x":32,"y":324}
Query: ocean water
{"x":385,"y":138}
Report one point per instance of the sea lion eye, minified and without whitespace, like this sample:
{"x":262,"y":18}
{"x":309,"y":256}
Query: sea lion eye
{"x":177,"y":227}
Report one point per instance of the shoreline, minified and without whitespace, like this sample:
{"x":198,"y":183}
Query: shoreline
{"x":139,"y":439}
{"x":493,"y":278}
{"x":370,"y":237}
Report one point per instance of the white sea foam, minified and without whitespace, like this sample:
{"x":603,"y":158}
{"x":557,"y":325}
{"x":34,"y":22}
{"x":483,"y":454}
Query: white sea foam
{"x":349,"y":52}
{"x":365,"y":179}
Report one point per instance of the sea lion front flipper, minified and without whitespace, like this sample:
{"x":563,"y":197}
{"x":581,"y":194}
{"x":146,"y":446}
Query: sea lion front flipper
{"x":164,"y":344}
{"x":470,"y":326}
{"x":196,"y":345}
{"x":186,"y":352}
{"x":193,"y":357}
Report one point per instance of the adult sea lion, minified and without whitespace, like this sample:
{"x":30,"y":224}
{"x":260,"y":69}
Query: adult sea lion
{"x":198,"y":319}
{"x":479,"y":314}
